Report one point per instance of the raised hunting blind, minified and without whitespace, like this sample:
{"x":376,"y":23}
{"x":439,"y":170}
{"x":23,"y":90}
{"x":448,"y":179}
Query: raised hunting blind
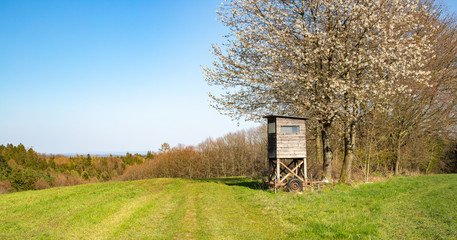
{"x":287,"y":152}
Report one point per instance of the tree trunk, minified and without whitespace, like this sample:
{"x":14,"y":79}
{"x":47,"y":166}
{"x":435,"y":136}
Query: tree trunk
{"x":319,"y":148}
{"x":431,"y":159}
{"x":398,"y":158}
{"x":367,"y":161}
{"x":349,"y":143}
{"x":327,"y":153}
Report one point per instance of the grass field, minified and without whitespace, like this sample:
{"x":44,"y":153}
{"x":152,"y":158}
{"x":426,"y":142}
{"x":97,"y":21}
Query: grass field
{"x":422,"y":207}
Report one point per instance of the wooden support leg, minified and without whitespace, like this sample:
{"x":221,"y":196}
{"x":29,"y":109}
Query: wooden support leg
{"x":305,"y":171}
{"x":278,"y":171}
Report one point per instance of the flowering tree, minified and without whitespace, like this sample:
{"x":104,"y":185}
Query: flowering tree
{"x":432,"y":109}
{"x":327,"y":59}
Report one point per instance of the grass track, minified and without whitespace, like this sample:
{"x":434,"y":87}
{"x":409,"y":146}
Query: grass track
{"x":402,"y":208}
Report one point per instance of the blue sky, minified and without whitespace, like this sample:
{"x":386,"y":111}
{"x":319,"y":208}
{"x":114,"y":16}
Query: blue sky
{"x":108,"y":76}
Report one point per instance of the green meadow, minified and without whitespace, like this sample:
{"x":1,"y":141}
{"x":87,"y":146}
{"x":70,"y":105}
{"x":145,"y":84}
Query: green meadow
{"x":423,"y":207}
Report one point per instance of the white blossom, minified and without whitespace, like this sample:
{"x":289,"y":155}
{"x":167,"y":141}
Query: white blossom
{"x":321,"y":58}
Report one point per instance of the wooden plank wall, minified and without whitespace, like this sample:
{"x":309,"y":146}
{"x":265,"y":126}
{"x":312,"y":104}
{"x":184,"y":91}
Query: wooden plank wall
{"x":290,"y":145}
{"x":272,"y":142}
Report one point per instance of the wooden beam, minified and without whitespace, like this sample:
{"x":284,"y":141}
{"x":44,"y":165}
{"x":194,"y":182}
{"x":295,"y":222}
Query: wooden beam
{"x":293,"y":171}
{"x":305,"y":171}
{"x":288,"y":165}
{"x":278,"y":170}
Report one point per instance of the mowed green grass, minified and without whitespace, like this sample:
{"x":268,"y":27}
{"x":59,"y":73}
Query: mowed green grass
{"x":422,"y":207}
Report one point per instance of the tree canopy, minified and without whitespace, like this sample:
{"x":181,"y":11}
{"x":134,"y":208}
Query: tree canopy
{"x":316,"y":58}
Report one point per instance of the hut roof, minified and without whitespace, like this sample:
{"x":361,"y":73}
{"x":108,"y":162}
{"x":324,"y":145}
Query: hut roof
{"x":282,"y":116}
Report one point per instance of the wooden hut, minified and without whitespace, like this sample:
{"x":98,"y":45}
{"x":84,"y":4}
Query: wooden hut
{"x":287,"y":151}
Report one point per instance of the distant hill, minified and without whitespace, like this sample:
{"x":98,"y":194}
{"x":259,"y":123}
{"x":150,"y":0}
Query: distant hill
{"x":422,"y":207}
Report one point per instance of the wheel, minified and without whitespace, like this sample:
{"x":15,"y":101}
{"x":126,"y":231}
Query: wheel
{"x":295,"y":185}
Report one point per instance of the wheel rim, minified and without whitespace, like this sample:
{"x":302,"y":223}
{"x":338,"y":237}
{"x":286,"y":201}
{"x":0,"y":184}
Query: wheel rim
{"x":295,"y":185}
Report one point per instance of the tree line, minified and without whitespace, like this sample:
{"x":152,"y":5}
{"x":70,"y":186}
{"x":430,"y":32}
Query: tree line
{"x":244,"y":153}
{"x":24,"y":169}
{"x":241,"y":153}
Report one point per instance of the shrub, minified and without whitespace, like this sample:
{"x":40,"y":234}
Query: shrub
{"x":41,"y":184}
{"x":4,"y":187}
